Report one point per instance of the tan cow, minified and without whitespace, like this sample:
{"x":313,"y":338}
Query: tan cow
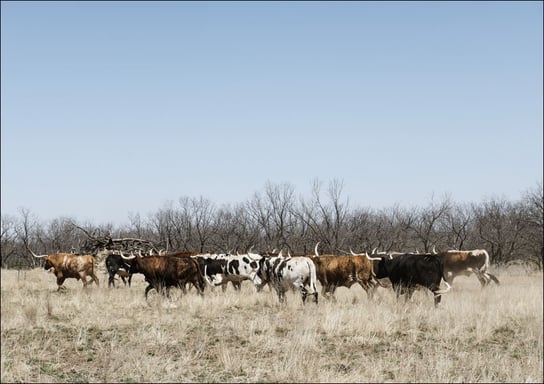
{"x":67,"y":265}
{"x":457,"y":263}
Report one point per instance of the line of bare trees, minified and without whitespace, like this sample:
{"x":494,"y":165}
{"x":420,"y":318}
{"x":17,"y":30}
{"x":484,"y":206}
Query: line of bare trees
{"x":275,"y":218}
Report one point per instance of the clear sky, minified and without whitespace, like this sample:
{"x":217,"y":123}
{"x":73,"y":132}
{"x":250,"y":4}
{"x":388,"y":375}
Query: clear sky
{"x":114,"y":108}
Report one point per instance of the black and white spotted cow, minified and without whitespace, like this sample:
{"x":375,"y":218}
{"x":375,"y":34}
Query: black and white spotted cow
{"x":219,"y":269}
{"x":284,"y":273}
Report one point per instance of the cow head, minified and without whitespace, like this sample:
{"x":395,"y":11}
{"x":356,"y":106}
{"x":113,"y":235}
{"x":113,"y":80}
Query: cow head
{"x":48,"y":264}
{"x":249,"y":266}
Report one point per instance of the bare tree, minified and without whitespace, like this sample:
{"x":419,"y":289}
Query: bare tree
{"x":327,"y":220}
{"x":532,"y":237}
{"x":457,"y":227}
{"x":425,"y":225}
{"x":8,"y":240}
{"x":28,"y":232}
{"x":273,"y":214}
{"x":500,"y":224}
{"x":201,"y":212}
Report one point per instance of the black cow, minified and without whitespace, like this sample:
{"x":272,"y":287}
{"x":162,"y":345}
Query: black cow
{"x":115,"y":264}
{"x":406,"y":271}
{"x":163,"y":272}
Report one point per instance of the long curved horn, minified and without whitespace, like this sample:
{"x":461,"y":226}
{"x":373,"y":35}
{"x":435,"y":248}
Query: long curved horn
{"x":372,"y":258}
{"x":132,"y":256}
{"x":33,"y":254}
{"x":279,"y":254}
{"x":434,"y":250}
{"x":374,"y":251}
{"x":353,"y":253}
{"x":315,"y":249}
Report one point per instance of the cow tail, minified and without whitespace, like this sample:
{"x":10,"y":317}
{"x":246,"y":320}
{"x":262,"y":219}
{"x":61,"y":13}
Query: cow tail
{"x":485,"y":267}
{"x":313,"y":275}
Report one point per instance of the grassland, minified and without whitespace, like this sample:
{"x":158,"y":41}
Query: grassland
{"x":114,"y":335}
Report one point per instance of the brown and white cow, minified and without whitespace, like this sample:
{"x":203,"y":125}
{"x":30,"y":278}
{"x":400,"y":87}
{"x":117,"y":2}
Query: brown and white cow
{"x":464,"y":263}
{"x":335,"y":271}
{"x":68,"y":265}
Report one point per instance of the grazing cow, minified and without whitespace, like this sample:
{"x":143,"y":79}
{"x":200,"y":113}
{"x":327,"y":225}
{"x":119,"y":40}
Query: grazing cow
{"x":219,"y":269}
{"x":163,"y":272}
{"x":68,"y":265}
{"x":286,"y":272}
{"x":116,"y":265}
{"x":464,"y":263}
{"x":407,"y":271}
{"x":335,"y":271}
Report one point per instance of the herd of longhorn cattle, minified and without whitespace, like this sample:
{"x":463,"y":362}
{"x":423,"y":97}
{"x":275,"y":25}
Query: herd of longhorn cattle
{"x":403,"y":271}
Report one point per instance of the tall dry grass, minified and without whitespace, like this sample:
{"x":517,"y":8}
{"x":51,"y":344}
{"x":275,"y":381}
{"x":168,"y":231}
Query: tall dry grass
{"x":114,"y":335}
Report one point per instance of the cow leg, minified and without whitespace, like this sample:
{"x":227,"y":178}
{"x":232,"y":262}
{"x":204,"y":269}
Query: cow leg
{"x":328,"y":292}
{"x":449,"y":278}
{"x":372,"y":291}
{"x":398,"y":290}
{"x":83,"y":278}
{"x":437,"y":299}
{"x":492,"y":277}
{"x":304,"y":294}
{"x":111,"y":280}
{"x":281,"y":295}
{"x":410,"y":292}
{"x":237,"y":285}
{"x":325,"y":291}
{"x":481,"y":277}
{"x":60,"y":281}
{"x":148,"y":288}
{"x":129,"y":279}
{"x":124,"y":281}
{"x":224,"y":287}
{"x":199,"y":285}
{"x":95,"y":279}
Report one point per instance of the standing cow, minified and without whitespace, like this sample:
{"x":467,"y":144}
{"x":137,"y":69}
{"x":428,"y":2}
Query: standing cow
{"x":286,"y":272}
{"x":68,"y":265}
{"x":335,"y":271}
{"x":116,"y":265}
{"x":406,"y":271}
{"x":219,"y":269}
{"x":163,"y":272}
{"x":464,"y":263}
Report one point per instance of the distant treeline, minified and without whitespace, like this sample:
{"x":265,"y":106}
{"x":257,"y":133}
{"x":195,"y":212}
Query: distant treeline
{"x":276,"y":218}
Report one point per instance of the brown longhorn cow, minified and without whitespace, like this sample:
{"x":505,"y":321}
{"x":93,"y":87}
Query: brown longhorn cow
{"x":163,"y":272}
{"x":68,"y":265}
{"x":335,"y":271}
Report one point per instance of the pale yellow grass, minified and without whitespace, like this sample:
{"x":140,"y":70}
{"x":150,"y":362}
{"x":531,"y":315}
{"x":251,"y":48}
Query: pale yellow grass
{"x":114,"y":335}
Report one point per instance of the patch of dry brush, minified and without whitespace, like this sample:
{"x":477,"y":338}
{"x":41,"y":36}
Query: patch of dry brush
{"x":114,"y":335}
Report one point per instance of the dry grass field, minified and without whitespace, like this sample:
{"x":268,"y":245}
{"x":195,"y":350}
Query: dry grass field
{"x":114,"y":335}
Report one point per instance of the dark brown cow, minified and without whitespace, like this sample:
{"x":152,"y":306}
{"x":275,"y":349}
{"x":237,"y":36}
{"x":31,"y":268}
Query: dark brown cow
{"x":464,"y":263}
{"x":163,"y":272}
{"x":68,"y":265}
{"x":335,"y":271}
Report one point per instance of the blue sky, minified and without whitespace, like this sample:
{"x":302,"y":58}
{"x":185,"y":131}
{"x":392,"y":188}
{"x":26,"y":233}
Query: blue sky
{"x":117,"y":108}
